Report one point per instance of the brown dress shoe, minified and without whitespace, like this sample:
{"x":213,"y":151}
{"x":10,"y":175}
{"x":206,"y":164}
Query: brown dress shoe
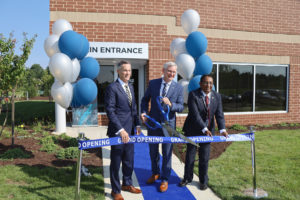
{"x":153,"y":178}
{"x":163,"y":186}
{"x":130,"y":188}
{"x":116,"y":196}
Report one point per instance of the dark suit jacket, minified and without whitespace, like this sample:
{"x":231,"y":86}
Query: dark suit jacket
{"x":175,"y":95}
{"x":119,"y":112}
{"x":197,"y":116}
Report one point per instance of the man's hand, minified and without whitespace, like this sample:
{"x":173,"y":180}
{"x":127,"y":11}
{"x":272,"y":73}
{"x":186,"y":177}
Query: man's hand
{"x":225,"y":134}
{"x":208,"y":133}
{"x":143,"y":117}
{"x":138,"y":130}
{"x":166,"y":101}
{"x":124,"y":136}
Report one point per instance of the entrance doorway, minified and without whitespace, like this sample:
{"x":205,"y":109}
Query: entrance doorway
{"x":108,"y":74}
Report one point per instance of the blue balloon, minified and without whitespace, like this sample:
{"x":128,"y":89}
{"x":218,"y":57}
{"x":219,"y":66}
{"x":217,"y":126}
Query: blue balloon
{"x":85,"y":46}
{"x":203,"y":65}
{"x":69,"y":43}
{"x":196,"y":44}
{"x":75,"y":102}
{"x":194,"y":83}
{"x":86,"y":91}
{"x":89,"y":68}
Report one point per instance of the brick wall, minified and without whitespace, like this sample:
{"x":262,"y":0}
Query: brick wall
{"x":269,"y":16}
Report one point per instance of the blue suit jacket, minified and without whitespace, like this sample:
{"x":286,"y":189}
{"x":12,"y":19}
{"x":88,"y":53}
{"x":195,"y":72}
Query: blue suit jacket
{"x":119,"y":112}
{"x":175,"y":95}
{"x":197,"y":116}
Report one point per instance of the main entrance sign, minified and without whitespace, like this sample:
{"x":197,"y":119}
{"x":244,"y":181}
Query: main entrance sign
{"x":118,"y":50}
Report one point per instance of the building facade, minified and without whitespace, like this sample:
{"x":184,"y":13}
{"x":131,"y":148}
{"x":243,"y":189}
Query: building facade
{"x":254,"y":45}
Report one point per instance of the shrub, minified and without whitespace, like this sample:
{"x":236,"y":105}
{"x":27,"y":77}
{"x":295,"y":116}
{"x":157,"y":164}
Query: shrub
{"x":68,"y":153}
{"x":14,"y":153}
{"x":238,"y":127}
{"x":48,"y":144}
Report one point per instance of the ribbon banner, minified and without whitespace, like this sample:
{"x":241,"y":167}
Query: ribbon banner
{"x":90,"y":144}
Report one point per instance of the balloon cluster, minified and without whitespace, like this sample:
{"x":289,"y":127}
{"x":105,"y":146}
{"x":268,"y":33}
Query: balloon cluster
{"x":190,"y":54}
{"x":68,"y":63}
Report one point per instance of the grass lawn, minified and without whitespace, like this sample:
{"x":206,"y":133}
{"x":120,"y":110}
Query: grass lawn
{"x":33,"y":182}
{"x":277,"y":167}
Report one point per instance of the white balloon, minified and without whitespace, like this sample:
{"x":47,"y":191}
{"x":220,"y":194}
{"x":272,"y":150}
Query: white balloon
{"x":62,"y":93}
{"x":61,"y":26}
{"x":75,"y":70}
{"x":177,"y":46}
{"x":51,"y":45}
{"x":60,"y":66}
{"x":185,"y":83}
{"x":190,"y":20}
{"x":185,"y":65}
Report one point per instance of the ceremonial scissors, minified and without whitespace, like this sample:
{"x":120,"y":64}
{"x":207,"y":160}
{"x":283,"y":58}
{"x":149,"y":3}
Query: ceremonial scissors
{"x":165,"y":124}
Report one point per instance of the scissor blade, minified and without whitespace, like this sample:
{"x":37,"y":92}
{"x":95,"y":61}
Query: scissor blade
{"x":165,"y":131}
{"x":172,"y":131}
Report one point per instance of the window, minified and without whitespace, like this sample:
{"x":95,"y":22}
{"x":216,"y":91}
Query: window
{"x":270,"y":91}
{"x":103,"y":80}
{"x":237,"y":83}
{"x":235,"y":87}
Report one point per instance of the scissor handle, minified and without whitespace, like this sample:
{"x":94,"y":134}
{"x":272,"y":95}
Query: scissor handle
{"x":156,"y":124}
{"x":165,"y":114}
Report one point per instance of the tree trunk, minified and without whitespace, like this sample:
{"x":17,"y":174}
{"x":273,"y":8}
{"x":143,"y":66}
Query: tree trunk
{"x":13,"y":117}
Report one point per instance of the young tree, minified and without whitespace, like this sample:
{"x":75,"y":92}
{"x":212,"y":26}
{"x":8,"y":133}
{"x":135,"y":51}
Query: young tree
{"x":14,"y":70}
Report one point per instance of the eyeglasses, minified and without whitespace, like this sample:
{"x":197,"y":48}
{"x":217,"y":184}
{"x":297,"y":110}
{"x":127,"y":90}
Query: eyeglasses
{"x":207,"y":83}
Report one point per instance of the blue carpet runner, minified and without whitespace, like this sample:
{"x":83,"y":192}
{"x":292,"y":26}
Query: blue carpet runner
{"x":142,"y":169}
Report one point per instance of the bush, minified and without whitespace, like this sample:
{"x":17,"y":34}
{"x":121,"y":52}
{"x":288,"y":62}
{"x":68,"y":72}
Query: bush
{"x":67,"y":153}
{"x":238,"y":127}
{"x":48,"y":144}
{"x":14,"y":153}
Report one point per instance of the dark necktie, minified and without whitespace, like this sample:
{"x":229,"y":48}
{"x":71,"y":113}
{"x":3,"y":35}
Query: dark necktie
{"x":128,"y":94}
{"x":207,"y":106}
{"x":163,"y":94}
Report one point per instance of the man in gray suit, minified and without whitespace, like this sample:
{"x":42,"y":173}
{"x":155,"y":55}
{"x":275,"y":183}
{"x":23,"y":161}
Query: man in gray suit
{"x":172,"y":94}
{"x":204,"y":106}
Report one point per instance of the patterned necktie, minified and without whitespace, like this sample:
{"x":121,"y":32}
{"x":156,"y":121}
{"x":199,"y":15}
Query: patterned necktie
{"x":163,"y":94}
{"x":207,"y":106}
{"x":128,"y":94}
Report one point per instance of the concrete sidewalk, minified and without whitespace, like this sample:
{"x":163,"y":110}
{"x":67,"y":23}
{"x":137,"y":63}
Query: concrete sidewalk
{"x":92,"y":132}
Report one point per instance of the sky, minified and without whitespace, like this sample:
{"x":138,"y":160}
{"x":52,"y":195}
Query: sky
{"x":32,"y":17}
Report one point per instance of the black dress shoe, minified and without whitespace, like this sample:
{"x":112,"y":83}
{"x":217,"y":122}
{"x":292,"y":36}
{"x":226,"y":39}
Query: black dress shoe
{"x":203,"y":186}
{"x":184,"y":182}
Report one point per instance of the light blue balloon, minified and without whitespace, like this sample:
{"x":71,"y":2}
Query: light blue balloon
{"x":86,"y":91}
{"x":85,"y":45}
{"x":89,"y":68}
{"x":196,"y":44}
{"x":203,"y":65}
{"x":69,"y":43}
{"x":194,"y":83}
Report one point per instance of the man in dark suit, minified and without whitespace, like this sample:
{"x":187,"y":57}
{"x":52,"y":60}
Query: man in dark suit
{"x":172,"y":94}
{"x":204,"y":106}
{"x":123,"y":119}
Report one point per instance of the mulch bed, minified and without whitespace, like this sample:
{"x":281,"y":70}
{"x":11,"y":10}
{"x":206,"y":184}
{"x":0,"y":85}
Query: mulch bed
{"x":32,"y":147}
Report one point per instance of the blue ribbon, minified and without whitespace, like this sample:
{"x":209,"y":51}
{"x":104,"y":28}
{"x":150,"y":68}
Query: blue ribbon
{"x":90,"y":144}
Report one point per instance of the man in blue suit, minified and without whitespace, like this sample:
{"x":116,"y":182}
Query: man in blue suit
{"x":123,"y":119}
{"x":172,"y":94}
{"x":204,"y":106}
